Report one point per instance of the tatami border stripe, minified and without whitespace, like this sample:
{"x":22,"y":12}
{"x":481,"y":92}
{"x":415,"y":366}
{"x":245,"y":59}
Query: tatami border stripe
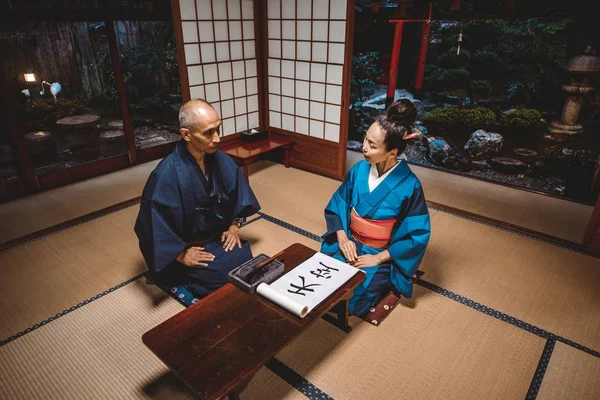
{"x":13,"y":244}
{"x":69,"y":310}
{"x":557,"y":242}
{"x":73,"y":308}
{"x":296,"y":380}
{"x":540,"y":371}
{"x":461,"y":299}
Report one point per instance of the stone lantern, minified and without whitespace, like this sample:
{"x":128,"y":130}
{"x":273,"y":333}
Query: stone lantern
{"x":581,"y":69}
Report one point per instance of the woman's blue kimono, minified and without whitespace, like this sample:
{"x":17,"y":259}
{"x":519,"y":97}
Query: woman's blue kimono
{"x":180,"y":206}
{"x":398,"y":196}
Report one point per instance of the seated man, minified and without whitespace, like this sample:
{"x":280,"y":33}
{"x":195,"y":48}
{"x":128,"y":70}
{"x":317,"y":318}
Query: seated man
{"x":191,"y":206}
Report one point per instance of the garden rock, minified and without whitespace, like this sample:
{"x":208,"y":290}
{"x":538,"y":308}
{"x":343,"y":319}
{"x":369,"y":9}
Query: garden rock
{"x":508,"y":165}
{"x":482,"y":144}
{"x":444,"y":155}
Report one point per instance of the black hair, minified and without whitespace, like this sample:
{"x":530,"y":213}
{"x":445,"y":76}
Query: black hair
{"x":396,"y":122}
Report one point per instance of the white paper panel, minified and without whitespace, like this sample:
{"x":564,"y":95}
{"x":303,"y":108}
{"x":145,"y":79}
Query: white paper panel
{"x":302,"y":108}
{"x":334,"y":74}
{"x":319,"y":52}
{"x":317,"y":129}
{"x":275,"y":48}
{"x":274,"y":29}
{"x":273,"y":9}
{"x":233,"y":9}
{"x":332,"y":132}
{"x":321,"y":9}
{"x":287,"y":105}
{"x":332,"y":113}
{"x":235,"y":30}
{"x":188,"y":9}
{"x":227,"y":109}
{"x":275,"y":119}
{"x":287,"y":87}
{"x":212,"y":92}
{"x":303,"y":9}
{"x":288,"y":9}
{"x":302,"y":90}
{"x":320,"y":30}
{"x":192,"y":54}
{"x":190,"y":33}
{"x":274,"y":85}
{"x":238,"y":69}
{"x":274,"y":67}
{"x":197,"y":92}
{"x":302,"y":125}
{"x":251,"y":86}
{"x":303,"y":51}
{"x":237,"y":50}
{"x":304,"y":29}
{"x":248,"y":30}
{"x":204,"y":8}
{"x":287,"y":122}
{"x":206,"y":31}
{"x":338,"y":9}
{"x":224,"y":71}
{"x":288,"y":50}
{"x":239,"y":87}
{"x":207,"y":52}
{"x":226,"y":90}
{"x":275,"y":102}
{"x":221,"y":33}
{"x":219,"y":9}
{"x":240,"y":106}
{"x":334,"y":94}
{"x":289,"y":30}
{"x":248,"y":9}
{"x":253,"y":120}
{"x":337,"y":31}
{"x":250,"y":67}
{"x":228,"y":126}
{"x":317,"y":91}
{"x":223,"y":51}
{"x":302,"y":70}
{"x":317,"y":72}
{"x":210,"y":73}
{"x":287,"y":69}
{"x":317,"y":110}
{"x":336,"y":53}
{"x":252,"y":103}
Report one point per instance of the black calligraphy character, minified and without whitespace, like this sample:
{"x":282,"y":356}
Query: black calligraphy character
{"x":323,"y":272}
{"x":304,"y":287}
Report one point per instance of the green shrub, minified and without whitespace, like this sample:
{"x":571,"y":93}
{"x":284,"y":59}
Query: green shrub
{"x":483,"y":88}
{"x":43,"y":113}
{"x":457,"y":117}
{"x":451,"y":79}
{"x":525,"y":116}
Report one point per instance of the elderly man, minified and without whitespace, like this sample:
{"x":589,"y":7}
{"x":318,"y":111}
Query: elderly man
{"x":191,"y":208}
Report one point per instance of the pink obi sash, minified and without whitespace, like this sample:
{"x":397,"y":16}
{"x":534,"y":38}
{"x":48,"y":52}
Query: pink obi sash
{"x":371,"y":232}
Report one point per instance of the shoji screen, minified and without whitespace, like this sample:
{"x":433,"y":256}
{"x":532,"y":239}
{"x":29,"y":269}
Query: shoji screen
{"x":220,"y":59}
{"x":307,"y":54}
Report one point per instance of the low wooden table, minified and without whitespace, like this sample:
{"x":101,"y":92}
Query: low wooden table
{"x":216,"y":345}
{"x":245,"y":153}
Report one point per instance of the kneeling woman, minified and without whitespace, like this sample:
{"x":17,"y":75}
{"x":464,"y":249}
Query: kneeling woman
{"x":378,"y":219}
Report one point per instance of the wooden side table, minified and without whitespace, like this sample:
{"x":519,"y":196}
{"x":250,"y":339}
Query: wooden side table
{"x":245,"y":153}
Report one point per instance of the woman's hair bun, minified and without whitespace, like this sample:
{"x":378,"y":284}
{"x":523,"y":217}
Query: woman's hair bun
{"x":402,"y":112}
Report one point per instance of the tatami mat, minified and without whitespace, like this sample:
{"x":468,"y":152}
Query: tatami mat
{"x":547,"y":286}
{"x":51,"y":274}
{"x":39,"y":211}
{"x":430,"y":347}
{"x":571,"y":374}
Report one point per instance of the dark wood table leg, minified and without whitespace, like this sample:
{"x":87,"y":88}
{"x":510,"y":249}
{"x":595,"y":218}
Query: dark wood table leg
{"x":341,"y":311}
{"x":286,"y":156}
{"x":245,"y":171}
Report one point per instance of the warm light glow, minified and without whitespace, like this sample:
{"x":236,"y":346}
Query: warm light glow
{"x":29,"y":77}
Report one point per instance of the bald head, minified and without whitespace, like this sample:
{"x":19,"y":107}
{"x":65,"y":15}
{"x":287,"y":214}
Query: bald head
{"x":197,"y":115}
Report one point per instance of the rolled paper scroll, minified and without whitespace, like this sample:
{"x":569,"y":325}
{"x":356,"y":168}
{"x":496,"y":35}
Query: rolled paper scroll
{"x":281,"y":300}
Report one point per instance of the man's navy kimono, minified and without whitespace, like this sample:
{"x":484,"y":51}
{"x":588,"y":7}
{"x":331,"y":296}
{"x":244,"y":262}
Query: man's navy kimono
{"x":181,"y":206}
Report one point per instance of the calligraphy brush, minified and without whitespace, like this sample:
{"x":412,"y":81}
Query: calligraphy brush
{"x":255,"y":275}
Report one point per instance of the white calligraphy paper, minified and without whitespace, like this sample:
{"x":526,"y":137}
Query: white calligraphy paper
{"x":309,"y":284}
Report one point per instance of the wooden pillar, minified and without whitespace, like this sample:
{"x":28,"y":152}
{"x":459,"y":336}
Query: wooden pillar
{"x":19,"y":151}
{"x":121,"y":92}
{"x":394,"y":63}
{"x":422,"y":55}
{"x":261,"y":45}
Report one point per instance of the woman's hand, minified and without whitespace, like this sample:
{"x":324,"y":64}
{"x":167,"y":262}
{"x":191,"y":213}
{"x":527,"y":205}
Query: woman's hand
{"x":367,"y":260}
{"x":347,"y":246}
{"x":231,"y":237}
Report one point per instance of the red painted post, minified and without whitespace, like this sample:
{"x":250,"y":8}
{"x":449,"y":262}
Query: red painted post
{"x":394,"y":63}
{"x":422,"y":55}
{"x":455,"y":5}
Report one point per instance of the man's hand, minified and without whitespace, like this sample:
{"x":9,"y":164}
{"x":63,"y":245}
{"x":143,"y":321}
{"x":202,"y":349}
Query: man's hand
{"x":231,"y":237}
{"x":347,"y":247}
{"x":195,"y":256}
